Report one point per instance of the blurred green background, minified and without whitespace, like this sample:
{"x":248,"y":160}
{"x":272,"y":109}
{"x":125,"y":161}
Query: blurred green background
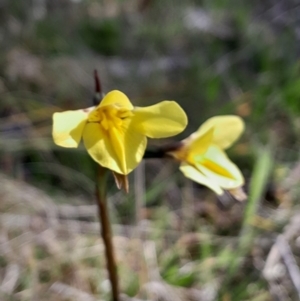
{"x":175,"y":240}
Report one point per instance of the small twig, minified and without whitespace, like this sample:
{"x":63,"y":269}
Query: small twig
{"x":139,"y":193}
{"x":289,"y":261}
{"x":10,"y":278}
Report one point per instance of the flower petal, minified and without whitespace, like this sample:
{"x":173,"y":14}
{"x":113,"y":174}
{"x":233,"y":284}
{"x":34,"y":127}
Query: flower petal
{"x":217,"y":167}
{"x":198,"y":145}
{"x":68,"y":127}
{"x":194,"y":174}
{"x":161,"y":120}
{"x":228,"y":128}
{"x":119,"y":149}
{"x":116,"y":97}
{"x":99,"y":146}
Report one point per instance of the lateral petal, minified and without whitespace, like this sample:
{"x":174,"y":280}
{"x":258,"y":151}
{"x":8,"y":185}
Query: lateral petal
{"x":119,"y":149}
{"x":116,"y":97}
{"x":194,"y":174}
{"x":134,"y":146}
{"x":68,"y":127}
{"x":99,"y":146}
{"x":161,"y":120}
{"x":197,"y":145}
{"x":217,"y":167}
{"x":228,"y":129}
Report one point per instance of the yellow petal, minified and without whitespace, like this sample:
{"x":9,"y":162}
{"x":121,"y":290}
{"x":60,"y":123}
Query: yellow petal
{"x":99,"y":146}
{"x":161,"y":120}
{"x":217,"y":167}
{"x":68,"y":127}
{"x":116,"y":97}
{"x":119,"y":149}
{"x":228,"y":129}
{"x":195,"y":175}
{"x":198,"y":145}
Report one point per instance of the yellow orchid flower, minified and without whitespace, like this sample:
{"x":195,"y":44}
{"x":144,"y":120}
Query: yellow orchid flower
{"x":203,"y":158}
{"x":114,"y":133}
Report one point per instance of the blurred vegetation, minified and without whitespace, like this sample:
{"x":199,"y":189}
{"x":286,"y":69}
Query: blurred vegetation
{"x":213,"y":57}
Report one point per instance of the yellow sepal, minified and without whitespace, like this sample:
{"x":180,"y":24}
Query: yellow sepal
{"x":161,"y":120}
{"x":228,"y":129}
{"x":68,"y":127}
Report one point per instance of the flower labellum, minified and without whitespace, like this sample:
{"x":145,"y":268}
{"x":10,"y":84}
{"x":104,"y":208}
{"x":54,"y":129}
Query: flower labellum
{"x":114,"y":133}
{"x":203,"y":158}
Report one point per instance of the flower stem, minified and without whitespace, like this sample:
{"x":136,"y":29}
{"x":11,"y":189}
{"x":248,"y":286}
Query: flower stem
{"x":101,"y":192}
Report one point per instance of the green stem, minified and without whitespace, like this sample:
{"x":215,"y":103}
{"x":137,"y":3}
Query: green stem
{"x":101,"y":192}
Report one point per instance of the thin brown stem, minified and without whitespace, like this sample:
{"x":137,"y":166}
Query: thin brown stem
{"x":101,"y":192}
{"x":162,"y":151}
